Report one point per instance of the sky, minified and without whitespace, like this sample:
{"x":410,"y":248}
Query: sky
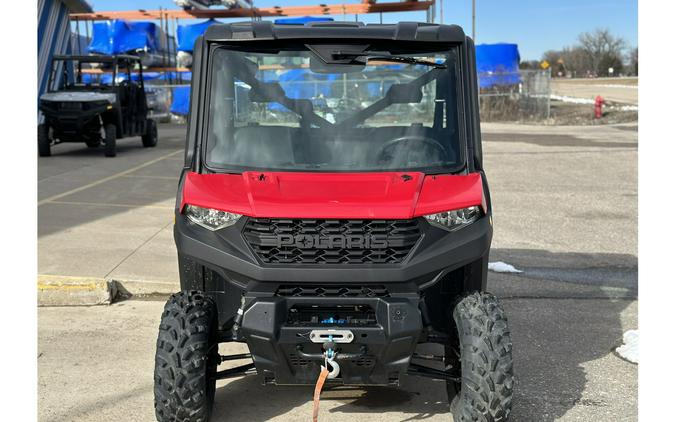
{"x":535,"y":25}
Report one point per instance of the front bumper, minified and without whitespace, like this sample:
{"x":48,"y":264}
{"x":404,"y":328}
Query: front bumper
{"x":379,"y":353}
{"x":69,"y":125}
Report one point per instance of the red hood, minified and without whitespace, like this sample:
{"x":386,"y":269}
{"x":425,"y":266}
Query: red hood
{"x":392,"y":195}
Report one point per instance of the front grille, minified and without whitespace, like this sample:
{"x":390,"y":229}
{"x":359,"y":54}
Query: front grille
{"x":70,"y":105}
{"x":332,"y":291}
{"x":294,"y":241}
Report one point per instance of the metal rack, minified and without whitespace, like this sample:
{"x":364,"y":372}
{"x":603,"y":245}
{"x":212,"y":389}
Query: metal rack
{"x":168,"y":20}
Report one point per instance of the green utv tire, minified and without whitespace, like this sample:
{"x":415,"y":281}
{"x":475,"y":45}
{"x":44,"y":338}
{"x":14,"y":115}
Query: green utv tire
{"x":110,"y":140}
{"x":44,"y":143}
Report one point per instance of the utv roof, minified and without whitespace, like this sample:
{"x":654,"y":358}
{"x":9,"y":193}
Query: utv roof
{"x":402,"y":31}
{"x":96,"y":58}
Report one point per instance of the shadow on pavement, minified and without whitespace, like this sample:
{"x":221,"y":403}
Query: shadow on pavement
{"x":76,"y":149}
{"x":553,"y":140}
{"x":553,"y":342}
{"x":565,"y":312}
{"x":74,"y":166}
{"x":246,"y":399}
{"x":570,"y":272}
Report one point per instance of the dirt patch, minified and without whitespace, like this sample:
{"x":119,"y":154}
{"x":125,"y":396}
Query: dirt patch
{"x":584,"y":114}
{"x":507,"y":109}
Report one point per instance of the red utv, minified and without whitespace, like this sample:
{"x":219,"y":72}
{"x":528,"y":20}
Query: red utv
{"x":333,"y":214}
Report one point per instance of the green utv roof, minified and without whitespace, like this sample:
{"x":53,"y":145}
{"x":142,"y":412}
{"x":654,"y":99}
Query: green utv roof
{"x":402,"y":31}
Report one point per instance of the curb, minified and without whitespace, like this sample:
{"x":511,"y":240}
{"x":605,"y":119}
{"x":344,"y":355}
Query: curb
{"x":145,"y":287}
{"x":54,"y":290}
{"x":57,"y":290}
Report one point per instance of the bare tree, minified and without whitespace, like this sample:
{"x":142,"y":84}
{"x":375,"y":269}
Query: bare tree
{"x":603,"y":48}
{"x":530,"y":64}
{"x":577,"y":61}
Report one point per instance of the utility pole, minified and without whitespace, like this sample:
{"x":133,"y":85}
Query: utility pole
{"x":473,"y":20}
{"x":442,"y":1}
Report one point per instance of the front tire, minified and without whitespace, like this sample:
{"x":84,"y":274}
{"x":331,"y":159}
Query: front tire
{"x":93,"y":143}
{"x":110,"y":140}
{"x":486,"y":390}
{"x":150,"y":137}
{"x":44,"y":143}
{"x":186,"y":359}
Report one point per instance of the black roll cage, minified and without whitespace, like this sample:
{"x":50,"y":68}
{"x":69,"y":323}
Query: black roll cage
{"x":125,"y":60}
{"x":403,"y":33}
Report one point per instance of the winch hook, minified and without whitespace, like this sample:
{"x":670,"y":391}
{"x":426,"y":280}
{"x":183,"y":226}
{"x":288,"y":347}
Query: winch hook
{"x":334,"y":370}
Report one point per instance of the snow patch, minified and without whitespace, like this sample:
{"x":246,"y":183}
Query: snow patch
{"x":502,"y":267}
{"x":617,"y":86}
{"x":574,"y":100}
{"x":629,"y":349}
{"x":627,"y":108}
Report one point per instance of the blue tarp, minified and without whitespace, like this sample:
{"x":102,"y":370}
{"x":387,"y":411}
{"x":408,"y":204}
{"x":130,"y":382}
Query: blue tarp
{"x":301,"y":20}
{"x":301,"y":84}
{"x":106,"y":78}
{"x":497,"y":64}
{"x":117,"y":36}
{"x":188,"y":34}
{"x":181,"y":100}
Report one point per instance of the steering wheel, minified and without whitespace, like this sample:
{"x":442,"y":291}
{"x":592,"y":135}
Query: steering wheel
{"x":384,"y":153}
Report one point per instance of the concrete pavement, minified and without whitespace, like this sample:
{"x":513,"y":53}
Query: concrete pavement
{"x":111,"y":218}
{"x":96,"y":363}
{"x":565,"y":212}
{"x":620,"y":90}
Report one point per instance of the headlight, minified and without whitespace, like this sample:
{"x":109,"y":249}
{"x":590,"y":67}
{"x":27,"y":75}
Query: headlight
{"x":455,"y":219}
{"x":209,"y":218}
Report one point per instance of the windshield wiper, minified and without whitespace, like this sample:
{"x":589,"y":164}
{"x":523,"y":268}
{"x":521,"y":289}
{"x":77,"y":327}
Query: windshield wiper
{"x":355,"y":56}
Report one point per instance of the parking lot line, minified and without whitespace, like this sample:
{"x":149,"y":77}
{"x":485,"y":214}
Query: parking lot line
{"x":107,"y":179}
{"x":148,"y":240}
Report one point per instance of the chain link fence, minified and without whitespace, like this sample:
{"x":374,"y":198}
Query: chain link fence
{"x":515,"y":96}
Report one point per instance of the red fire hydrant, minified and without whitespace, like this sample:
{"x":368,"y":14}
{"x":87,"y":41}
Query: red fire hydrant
{"x":599,"y":101}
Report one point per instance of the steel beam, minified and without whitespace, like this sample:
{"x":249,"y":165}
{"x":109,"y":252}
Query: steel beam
{"x":323,"y":9}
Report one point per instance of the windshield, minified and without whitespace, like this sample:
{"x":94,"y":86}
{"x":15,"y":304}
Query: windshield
{"x":307,"y":109}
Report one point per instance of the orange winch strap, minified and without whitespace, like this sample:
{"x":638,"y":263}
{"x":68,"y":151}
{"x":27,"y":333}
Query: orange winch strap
{"x":317,"y":392}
